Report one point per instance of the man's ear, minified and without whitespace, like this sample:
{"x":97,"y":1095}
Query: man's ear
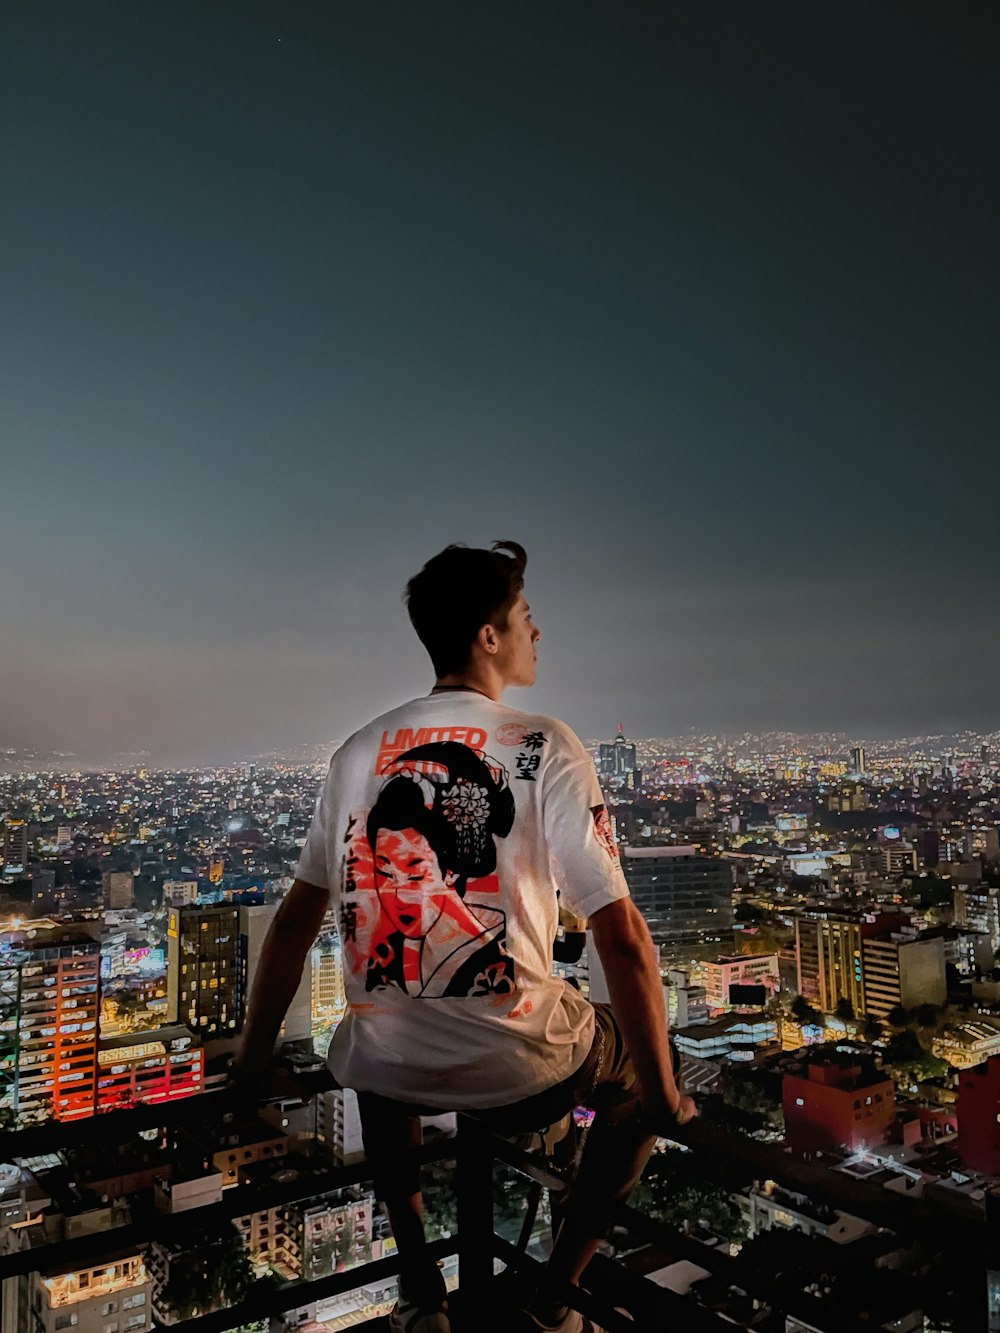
{"x":488,"y":640}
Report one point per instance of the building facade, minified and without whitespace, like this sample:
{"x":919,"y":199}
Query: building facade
{"x":205,"y":970}
{"x":833,"y":1105}
{"x":686,"y":899}
{"x":58,"y":1025}
{"x":979,"y":1117}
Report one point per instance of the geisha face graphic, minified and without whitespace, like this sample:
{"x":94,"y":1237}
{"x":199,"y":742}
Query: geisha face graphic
{"x":411,"y":888}
{"x":420,"y":910}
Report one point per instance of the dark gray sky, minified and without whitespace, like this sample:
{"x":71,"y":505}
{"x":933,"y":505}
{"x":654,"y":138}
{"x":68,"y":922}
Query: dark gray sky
{"x":702,"y":309}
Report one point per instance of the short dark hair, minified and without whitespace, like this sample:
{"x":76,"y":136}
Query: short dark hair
{"x":458,"y":592}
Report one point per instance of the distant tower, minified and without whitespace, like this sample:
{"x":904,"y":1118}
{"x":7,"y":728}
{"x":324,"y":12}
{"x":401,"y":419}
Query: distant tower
{"x":617,"y":758}
{"x":858,"y":760}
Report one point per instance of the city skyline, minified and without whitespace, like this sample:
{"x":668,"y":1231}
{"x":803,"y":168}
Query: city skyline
{"x":697,"y":306}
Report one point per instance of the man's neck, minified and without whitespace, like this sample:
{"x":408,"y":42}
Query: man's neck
{"x":479,"y":680}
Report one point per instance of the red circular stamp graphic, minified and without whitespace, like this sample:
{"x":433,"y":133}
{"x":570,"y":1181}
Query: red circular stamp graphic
{"x":511,"y":733}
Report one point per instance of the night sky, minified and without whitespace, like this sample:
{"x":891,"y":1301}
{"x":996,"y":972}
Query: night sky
{"x":701,"y":308}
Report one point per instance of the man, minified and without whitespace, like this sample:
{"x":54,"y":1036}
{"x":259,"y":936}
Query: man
{"x":449,"y":832}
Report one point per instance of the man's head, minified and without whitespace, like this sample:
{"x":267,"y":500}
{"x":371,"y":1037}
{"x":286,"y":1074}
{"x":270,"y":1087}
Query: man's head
{"x":468,"y":608}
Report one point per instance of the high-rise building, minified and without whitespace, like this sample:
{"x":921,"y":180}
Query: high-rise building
{"x":858,"y":760}
{"x":119,"y":889}
{"x":978,"y":909}
{"x":328,"y":995}
{"x":902,"y":971}
{"x":254,"y":924}
{"x":828,"y":959}
{"x":15,"y":846}
{"x":12,"y":964}
{"x":339,"y":1129}
{"x":828,"y":954}
{"x":686,"y":899}
{"x":979,"y":1117}
{"x":59,"y":1013}
{"x":616,"y":759}
{"x":206,"y":970}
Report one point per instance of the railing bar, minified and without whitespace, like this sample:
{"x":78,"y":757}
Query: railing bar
{"x":597,"y":1305}
{"x":304,"y":1293}
{"x":238,"y":1202}
{"x":737,"y":1272}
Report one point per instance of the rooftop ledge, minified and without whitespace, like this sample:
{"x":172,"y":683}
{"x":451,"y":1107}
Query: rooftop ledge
{"x":971,"y":1247}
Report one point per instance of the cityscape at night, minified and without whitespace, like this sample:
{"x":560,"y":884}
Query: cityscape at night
{"x":827,"y":915}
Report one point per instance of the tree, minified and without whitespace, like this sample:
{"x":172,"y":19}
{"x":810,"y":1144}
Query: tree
{"x":213,"y":1273}
{"x":687,"y":1202}
{"x":844,"y":1009}
{"x":898,"y":1017}
{"x":803,"y":1012}
{"x":928,"y":1015}
{"x":873,"y":1028}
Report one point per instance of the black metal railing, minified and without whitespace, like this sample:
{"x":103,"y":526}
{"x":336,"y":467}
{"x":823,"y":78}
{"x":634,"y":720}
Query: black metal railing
{"x":969,"y":1246}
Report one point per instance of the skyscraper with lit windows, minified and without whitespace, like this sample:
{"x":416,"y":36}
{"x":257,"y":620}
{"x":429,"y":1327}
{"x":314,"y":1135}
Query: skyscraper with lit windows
{"x":205,"y":970}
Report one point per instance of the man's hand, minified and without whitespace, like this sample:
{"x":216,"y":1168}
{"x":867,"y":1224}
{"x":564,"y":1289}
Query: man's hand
{"x":274,"y":1082}
{"x":628,"y":957}
{"x":687,"y":1110}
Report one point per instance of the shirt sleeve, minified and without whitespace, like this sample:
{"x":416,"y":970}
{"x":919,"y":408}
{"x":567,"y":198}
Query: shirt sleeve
{"x":583,"y":854}
{"x":313,"y":865}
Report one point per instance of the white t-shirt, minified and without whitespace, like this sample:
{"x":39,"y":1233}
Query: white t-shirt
{"x":444,"y":830}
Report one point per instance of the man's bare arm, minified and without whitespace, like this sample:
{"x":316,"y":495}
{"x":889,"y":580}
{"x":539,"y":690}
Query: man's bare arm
{"x":290,"y":936}
{"x":628,"y":956}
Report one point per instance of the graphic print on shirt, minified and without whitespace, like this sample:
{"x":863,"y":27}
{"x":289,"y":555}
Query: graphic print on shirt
{"x":604,"y":830}
{"x":418,"y":906}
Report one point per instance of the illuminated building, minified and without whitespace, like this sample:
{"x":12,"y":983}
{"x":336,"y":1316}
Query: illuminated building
{"x":11,"y":984}
{"x":898,"y":970}
{"x":837,"y":1105}
{"x":205,"y":970}
{"x":616,"y":760}
{"x":828,"y":953}
{"x":828,"y":959}
{"x":15,"y":846}
{"x":114,"y":1292}
{"x":686,"y":899}
{"x":740,"y":970}
{"x":978,"y":909}
{"x":245,"y":1145}
{"x":979,"y":1117}
{"x":328,"y":997}
{"x":179,"y":892}
{"x":60,"y":1004}
{"x":339,"y":1127}
{"x":858,"y":760}
{"x":967,"y":1044}
{"x":311,"y":1238}
{"x":155,"y":1066}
